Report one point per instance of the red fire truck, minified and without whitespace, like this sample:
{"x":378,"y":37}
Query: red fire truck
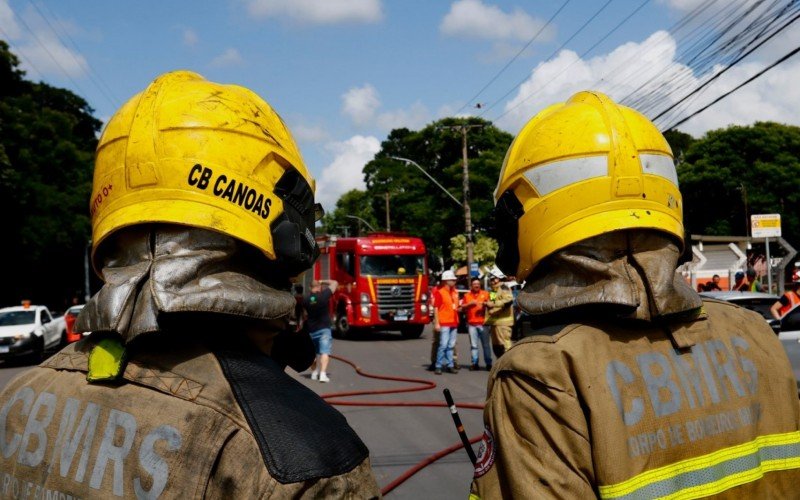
{"x":383,"y":282}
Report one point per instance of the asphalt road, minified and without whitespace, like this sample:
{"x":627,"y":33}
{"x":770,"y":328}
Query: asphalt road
{"x":397,"y":437}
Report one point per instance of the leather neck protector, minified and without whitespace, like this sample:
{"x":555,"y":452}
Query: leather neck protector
{"x":153,"y":271}
{"x":627,"y":274}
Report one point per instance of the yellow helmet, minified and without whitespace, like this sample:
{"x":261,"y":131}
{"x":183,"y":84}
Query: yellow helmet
{"x":193,"y":152}
{"x":580,"y":169}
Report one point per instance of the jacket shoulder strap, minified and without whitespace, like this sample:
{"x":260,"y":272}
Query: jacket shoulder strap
{"x":301,"y":437}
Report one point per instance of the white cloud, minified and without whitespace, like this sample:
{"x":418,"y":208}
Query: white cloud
{"x":345,"y":171}
{"x":416,"y":117}
{"x":309,"y":133}
{"x":319,"y":11}
{"x":774,"y":96}
{"x":190,"y":38}
{"x":360,"y":104}
{"x":475,"y":19}
{"x":40,"y":51}
{"x":8,"y":21}
{"x":230,"y":57}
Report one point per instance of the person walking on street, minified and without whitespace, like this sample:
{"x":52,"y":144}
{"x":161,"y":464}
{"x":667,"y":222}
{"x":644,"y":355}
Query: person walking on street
{"x":627,"y":384}
{"x":474,"y":303}
{"x":500,"y":316}
{"x":200,"y":208}
{"x":318,"y":320}
{"x":754,"y":284}
{"x":445,"y":322}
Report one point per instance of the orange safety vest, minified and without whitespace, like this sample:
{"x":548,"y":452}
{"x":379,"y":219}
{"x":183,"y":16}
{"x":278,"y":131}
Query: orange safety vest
{"x":793,"y":301}
{"x":476,"y":315}
{"x":446,"y":306}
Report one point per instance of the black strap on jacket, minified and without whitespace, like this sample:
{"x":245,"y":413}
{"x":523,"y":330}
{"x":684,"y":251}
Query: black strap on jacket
{"x":301,"y":437}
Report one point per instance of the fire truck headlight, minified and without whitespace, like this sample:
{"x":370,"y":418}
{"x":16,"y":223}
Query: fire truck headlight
{"x":423,"y":298}
{"x":364,"y":298}
{"x":423,"y":308}
{"x":365,"y":311}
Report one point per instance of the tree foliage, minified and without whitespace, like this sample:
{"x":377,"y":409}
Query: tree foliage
{"x":760,"y":162}
{"x":417,"y":205}
{"x":354,"y":203}
{"x":484,"y":251}
{"x":47,"y":143}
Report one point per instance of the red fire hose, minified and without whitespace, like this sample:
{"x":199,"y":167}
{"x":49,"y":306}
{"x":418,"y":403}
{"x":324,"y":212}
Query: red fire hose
{"x":420,"y":385}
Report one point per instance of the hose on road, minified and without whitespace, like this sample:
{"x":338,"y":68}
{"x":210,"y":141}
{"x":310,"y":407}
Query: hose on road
{"x":335,"y":398}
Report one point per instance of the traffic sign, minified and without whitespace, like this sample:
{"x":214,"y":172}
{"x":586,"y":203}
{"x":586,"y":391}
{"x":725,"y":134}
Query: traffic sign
{"x":765,"y":225}
{"x":474,"y":270}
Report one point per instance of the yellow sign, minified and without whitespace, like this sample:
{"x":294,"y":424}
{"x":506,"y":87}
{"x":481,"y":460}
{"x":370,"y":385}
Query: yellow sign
{"x":765,"y":225}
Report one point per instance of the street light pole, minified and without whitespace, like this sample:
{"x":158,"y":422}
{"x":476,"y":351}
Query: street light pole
{"x":361,"y":220}
{"x":412,"y":162}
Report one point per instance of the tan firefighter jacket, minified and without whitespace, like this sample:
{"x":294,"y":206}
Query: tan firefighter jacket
{"x":698,"y":402}
{"x":183,"y":423}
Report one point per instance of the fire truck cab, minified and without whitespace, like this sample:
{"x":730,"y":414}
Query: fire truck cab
{"x":383,"y":282}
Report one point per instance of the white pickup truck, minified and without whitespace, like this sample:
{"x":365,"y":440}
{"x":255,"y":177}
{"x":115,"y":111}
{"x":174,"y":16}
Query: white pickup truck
{"x":29,"y":329}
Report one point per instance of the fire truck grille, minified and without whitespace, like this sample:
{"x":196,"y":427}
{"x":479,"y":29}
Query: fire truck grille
{"x":392,"y":298}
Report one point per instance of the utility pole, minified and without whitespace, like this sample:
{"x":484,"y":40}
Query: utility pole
{"x":464,"y":128}
{"x":388,"y":223}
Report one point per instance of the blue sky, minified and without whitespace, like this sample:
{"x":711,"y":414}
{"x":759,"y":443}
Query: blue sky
{"x":342,"y":73}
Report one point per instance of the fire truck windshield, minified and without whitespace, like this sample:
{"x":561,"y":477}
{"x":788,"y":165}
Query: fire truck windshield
{"x":392,"y":265}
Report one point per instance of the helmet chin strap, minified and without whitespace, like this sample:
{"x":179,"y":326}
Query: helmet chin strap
{"x":152,"y":271}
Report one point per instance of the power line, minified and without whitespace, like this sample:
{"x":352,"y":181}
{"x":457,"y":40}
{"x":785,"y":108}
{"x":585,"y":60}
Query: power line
{"x":96,"y":79}
{"x":496,"y":76}
{"x":726,"y":94}
{"x":723,"y":71}
{"x":22,"y":54}
{"x":580,"y":56}
{"x":555,"y":52}
{"x":55,"y":60}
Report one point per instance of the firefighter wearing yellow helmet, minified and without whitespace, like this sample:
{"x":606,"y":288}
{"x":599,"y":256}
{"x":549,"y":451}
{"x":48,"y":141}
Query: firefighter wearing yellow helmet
{"x":625,"y":384}
{"x":202,"y":209}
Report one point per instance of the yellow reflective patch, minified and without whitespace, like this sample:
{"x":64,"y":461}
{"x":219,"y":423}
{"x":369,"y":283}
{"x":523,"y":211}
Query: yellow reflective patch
{"x":473,"y":496}
{"x":106,"y":361}
{"x":754,"y":449}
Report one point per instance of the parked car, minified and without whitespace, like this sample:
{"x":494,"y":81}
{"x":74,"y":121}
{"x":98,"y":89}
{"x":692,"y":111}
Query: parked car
{"x":755,"y":301}
{"x":69,"y":320}
{"x":29,"y":330}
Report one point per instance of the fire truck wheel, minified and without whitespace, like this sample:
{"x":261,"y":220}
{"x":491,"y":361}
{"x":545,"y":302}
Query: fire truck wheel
{"x":412,"y":331}
{"x":342,"y":326}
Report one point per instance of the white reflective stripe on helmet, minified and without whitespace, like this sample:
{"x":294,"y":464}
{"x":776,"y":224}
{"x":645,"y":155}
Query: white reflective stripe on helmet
{"x":660,"y":165}
{"x":562,"y":173}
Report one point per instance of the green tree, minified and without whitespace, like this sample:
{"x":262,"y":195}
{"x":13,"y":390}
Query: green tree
{"x":417,"y":205}
{"x":485,"y":250}
{"x":761,"y":160}
{"x":352,"y":203}
{"x":679,"y":142}
{"x":47,"y":143}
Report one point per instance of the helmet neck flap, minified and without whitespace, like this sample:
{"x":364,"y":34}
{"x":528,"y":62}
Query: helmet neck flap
{"x":155,"y":271}
{"x":626,"y":274}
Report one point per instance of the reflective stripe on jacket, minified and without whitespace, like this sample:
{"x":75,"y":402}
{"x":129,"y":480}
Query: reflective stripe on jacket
{"x":501,"y":307}
{"x":641,"y":410}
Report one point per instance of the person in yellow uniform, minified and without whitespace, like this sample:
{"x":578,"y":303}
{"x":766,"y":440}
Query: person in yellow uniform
{"x":202,"y":210}
{"x":500,"y":315}
{"x":627,"y":385}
